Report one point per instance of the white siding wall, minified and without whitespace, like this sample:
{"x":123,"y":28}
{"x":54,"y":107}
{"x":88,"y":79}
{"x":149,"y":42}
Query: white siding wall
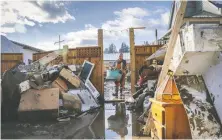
{"x":27,"y":54}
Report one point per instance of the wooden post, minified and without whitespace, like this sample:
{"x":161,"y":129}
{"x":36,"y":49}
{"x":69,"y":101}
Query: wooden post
{"x":65,"y":54}
{"x":100,"y":44}
{"x":132,"y":60}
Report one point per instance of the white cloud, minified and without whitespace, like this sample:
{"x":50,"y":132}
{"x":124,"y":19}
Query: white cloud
{"x":7,"y":30}
{"x":20,"y":28}
{"x":138,"y":17}
{"x":88,"y":36}
{"x":47,"y":45}
{"x":126,"y":18}
{"x":165,"y":17}
{"x":116,"y":30}
{"x":30,"y":12}
{"x":136,"y":12}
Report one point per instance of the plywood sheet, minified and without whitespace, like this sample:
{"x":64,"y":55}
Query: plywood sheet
{"x":203,"y":119}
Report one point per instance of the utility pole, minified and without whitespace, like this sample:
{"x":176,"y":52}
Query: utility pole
{"x":59,"y":42}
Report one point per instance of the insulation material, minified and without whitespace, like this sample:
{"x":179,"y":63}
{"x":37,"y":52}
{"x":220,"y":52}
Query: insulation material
{"x":203,"y":119}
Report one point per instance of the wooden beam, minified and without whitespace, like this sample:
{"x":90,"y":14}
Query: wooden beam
{"x":100,"y":44}
{"x":172,"y":41}
{"x":132,"y":60}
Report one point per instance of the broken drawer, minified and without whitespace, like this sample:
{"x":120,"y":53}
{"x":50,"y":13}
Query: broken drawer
{"x":39,"y":104}
{"x":59,"y":83}
{"x":158,"y":113}
{"x":159,"y":130}
{"x":73,"y":79}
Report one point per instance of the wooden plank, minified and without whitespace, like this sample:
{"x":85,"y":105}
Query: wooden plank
{"x":172,"y":40}
{"x":74,"y":80}
{"x":132,"y":59}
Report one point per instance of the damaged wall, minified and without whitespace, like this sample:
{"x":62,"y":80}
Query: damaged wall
{"x":195,"y":44}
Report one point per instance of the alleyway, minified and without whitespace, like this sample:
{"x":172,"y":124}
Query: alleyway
{"x":113,"y":121}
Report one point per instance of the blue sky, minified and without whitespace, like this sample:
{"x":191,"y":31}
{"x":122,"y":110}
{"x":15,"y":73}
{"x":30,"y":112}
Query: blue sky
{"x":40,"y":23}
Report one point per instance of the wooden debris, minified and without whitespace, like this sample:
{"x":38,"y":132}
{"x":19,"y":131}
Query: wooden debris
{"x":59,"y":83}
{"x":72,"y":67}
{"x":39,"y":104}
{"x":24,"y":86}
{"x":73,"y":79}
{"x":71,"y":101}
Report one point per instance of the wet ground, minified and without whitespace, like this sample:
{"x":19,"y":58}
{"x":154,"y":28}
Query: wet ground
{"x":113,"y":121}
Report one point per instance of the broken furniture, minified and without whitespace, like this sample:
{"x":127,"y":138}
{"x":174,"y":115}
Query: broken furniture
{"x":39,"y":104}
{"x":70,"y":77}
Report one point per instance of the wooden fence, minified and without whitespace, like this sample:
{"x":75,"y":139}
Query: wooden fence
{"x":77,"y":56}
{"x":142,"y":52}
{"x":9,"y":60}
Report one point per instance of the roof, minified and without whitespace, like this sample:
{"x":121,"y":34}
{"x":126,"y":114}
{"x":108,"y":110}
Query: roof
{"x":200,"y":9}
{"x":115,"y":56}
{"x":9,"y":46}
{"x":27,"y":46}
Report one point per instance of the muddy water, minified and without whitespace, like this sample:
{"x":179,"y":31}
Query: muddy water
{"x":113,"y":121}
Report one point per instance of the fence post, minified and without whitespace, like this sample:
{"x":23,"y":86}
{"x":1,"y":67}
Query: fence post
{"x":132,"y":60}
{"x":100,"y":44}
{"x":65,"y":54}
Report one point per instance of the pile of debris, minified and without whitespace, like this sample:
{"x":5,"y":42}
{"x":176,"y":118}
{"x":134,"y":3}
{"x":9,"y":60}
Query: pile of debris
{"x":145,"y":89}
{"x":43,"y":91}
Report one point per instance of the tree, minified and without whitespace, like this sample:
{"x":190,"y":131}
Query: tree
{"x":146,"y":43}
{"x":106,"y":50}
{"x":112,"y":48}
{"x":124,"y":48}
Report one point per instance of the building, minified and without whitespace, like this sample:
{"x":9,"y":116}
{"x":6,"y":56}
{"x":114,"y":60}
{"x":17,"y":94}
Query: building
{"x":9,"y":46}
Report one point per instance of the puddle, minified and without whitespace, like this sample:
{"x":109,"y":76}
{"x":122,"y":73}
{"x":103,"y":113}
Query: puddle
{"x":113,"y":121}
{"x":119,"y":122}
